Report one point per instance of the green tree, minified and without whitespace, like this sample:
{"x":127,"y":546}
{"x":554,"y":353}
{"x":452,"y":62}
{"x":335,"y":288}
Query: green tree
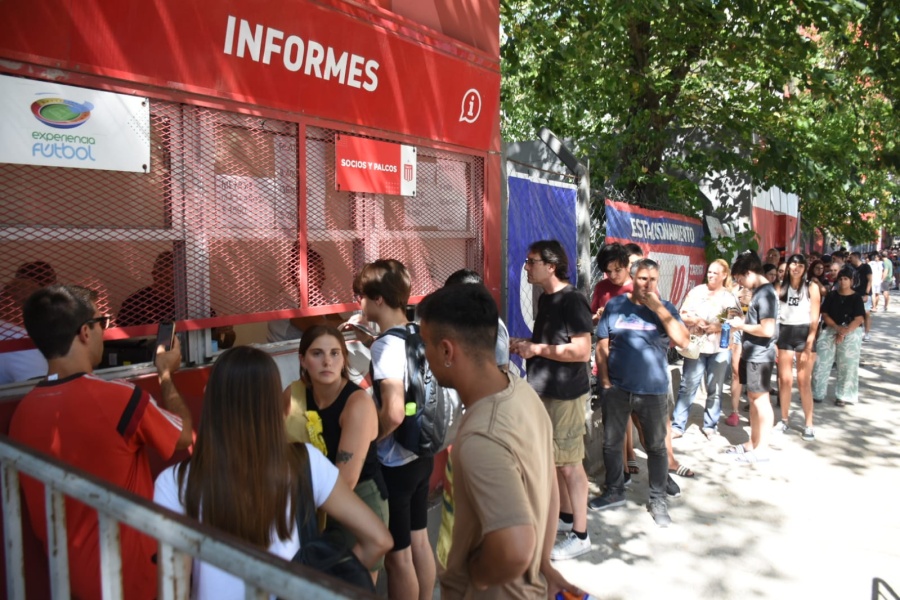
{"x":791,"y":94}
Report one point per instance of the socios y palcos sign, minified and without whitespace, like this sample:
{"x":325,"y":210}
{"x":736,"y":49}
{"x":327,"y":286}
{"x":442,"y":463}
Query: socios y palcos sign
{"x":57,"y":125}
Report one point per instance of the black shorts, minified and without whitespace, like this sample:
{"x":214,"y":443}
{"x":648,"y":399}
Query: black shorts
{"x":757,"y":377}
{"x":792,"y":337}
{"x":407,"y":488}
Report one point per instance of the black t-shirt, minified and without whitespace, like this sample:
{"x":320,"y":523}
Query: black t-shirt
{"x":560,"y":316}
{"x":763,"y":305}
{"x":843,"y":309}
{"x":863,"y":271}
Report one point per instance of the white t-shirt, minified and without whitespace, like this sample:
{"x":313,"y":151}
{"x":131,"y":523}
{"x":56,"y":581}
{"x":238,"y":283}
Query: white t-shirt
{"x":389,"y":362}
{"x":212,"y":583}
{"x":706,"y":305}
{"x":19,"y":365}
{"x":877,"y":275}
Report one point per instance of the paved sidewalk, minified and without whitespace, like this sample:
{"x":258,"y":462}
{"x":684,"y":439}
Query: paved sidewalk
{"x":821,"y":520}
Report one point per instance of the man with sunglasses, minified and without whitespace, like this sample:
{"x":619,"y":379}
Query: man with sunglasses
{"x":557,"y":358}
{"x":103,"y":427}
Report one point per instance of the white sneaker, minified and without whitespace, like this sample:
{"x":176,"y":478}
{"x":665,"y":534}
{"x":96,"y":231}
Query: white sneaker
{"x":563,"y":527}
{"x":570,"y":547}
{"x":867,"y":337}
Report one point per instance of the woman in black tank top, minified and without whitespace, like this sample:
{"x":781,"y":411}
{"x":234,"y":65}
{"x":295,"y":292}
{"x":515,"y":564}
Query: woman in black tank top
{"x":342,"y":420}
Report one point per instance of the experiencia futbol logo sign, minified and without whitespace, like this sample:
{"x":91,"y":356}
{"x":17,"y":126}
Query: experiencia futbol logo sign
{"x":62,"y":114}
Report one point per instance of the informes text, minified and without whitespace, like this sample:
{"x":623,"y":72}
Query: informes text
{"x":260,"y":43}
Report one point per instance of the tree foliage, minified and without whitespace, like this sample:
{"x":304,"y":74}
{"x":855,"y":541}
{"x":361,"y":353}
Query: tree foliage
{"x":799,"y":94}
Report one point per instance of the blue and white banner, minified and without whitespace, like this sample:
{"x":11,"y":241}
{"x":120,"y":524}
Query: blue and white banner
{"x":538,"y":210}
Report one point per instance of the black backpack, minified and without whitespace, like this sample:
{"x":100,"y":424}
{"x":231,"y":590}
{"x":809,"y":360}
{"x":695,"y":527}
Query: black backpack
{"x":320,"y":553}
{"x":432,"y":411}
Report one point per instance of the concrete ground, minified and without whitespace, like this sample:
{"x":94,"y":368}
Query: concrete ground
{"x":821,"y":520}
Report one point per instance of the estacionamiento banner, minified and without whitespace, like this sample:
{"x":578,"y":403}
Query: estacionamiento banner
{"x":674,"y":241}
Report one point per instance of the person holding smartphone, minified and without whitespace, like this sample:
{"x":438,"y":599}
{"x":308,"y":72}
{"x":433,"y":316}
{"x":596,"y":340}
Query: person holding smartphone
{"x":759,"y":333}
{"x":103,"y":427}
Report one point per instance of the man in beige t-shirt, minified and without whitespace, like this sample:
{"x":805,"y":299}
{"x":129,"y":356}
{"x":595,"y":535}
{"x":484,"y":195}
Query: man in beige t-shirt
{"x":505,"y":494}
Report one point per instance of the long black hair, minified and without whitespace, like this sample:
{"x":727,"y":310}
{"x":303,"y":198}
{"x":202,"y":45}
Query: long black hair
{"x":786,"y":281}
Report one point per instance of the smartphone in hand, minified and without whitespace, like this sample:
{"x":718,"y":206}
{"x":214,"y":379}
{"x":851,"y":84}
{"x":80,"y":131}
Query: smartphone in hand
{"x":165,"y":335}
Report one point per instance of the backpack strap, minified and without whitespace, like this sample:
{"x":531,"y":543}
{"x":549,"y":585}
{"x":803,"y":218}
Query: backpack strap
{"x":415,"y":366}
{"x":296,"y":421}
{"x":307,"y":527}
{"x":394,"y":332}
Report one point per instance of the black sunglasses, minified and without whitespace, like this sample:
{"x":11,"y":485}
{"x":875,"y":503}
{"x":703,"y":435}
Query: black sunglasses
{"x":104,"y":321}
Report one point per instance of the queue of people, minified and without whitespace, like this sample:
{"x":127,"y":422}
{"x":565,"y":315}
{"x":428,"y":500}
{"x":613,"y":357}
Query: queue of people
{"x":519,"y":481}
{"x":372,"y":489}
{"x":773,"y":326}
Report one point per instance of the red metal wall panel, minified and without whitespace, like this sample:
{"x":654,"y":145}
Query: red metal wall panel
{"x":268,"y":54}
{"x":765,"y":224}
{"x":473,"y":22}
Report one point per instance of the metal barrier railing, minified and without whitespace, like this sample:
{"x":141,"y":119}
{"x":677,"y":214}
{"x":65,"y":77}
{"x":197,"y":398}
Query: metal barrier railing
{"x":179,"y":538}
{"x":882,"y":591}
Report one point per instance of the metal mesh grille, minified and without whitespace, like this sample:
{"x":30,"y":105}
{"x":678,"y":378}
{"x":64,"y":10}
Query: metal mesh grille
{"x":213,"y":229}
{"x":100,"y":229}
{"x":433,"y":234}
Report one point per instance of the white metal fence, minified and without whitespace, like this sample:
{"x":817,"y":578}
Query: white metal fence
{"x":179,"y":537}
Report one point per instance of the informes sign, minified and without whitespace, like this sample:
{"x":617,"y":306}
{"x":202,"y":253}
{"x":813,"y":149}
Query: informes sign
{"x":49,"y":124}
{"x":341,"y":61}
{"x":674,"y":241}
{"x":364,"y":165}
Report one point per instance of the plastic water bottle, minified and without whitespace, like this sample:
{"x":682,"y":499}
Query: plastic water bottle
{"x":726,"y":334}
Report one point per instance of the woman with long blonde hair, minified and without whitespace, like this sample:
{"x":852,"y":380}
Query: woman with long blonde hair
{"x":703,"y":311}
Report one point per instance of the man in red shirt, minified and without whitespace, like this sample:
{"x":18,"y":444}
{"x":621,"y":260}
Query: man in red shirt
{"x":102,"y":427}
{"x":614,"y":262}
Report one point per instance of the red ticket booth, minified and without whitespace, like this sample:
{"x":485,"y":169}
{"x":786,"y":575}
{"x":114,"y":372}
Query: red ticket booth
{"x":267,"y":149}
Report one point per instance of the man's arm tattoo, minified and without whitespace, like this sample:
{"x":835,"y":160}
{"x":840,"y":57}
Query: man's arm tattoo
{"x":343,"y":456}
